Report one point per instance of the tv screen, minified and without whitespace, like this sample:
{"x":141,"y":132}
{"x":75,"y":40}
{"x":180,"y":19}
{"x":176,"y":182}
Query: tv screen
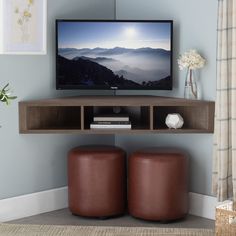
{"x":114,"y":54}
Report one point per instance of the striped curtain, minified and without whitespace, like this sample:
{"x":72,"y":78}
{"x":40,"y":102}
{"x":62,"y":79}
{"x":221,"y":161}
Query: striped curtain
{"x":224,"y":155}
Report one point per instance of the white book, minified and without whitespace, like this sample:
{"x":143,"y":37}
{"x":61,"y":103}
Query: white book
{"x":110,"y":126}
{"x":111,"y":118}
{"x":111,"y":123}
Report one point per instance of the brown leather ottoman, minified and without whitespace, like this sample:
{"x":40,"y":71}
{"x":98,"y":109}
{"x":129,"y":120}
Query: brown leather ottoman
{"x":96,"y":181}
{"x":158,"y":184}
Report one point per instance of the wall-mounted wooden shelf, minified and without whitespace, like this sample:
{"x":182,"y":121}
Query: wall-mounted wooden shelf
{"x":147,"y":114}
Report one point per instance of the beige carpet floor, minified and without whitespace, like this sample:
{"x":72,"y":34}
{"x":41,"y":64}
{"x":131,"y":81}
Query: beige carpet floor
{"x":50,"y":230}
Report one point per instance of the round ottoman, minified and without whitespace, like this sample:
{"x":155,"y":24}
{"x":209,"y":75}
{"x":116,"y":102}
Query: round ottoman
{"x":96,"y":181}
{"x":158,"y":184}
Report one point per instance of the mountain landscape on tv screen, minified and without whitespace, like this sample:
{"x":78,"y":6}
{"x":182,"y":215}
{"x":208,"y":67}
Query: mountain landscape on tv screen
{"x":115,"y":67}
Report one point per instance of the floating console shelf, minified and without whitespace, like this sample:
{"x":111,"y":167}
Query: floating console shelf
{"x":147,"y":114}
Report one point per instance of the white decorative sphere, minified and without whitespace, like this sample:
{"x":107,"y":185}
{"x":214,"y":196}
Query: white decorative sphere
{"x":174,"y":121}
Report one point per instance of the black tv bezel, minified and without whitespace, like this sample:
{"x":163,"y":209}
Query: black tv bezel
{"x":81,"y":87}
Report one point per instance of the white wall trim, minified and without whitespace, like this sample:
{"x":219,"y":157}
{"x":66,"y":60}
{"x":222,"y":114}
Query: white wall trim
{"x":55,"y":199}
{"x":202,"y":205}
{"x":33,"y":204}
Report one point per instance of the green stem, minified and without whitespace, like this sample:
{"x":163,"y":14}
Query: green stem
{"x":191,"y":83}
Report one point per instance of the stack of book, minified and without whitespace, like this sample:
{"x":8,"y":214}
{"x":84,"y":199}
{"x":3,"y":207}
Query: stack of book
{"x":110,"y":122}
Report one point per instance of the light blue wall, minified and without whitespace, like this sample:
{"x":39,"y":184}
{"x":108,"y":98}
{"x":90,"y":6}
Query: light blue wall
{"x":32,"y":163}
{"x":194,"y":27}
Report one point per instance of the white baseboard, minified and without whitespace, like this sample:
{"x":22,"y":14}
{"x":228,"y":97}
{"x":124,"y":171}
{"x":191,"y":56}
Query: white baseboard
{"x":202,"y":205}
{"x":55,"y":199}
{"x":33,"y":204}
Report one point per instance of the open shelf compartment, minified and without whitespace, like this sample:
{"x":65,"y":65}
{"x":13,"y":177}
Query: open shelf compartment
{"x":139,"y":115}
{"x":196,"y":118}
{"x":53,"y":118}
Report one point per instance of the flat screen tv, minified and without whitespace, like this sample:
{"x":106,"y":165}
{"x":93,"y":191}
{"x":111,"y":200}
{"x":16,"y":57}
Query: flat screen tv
{"x":114,"y":54}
